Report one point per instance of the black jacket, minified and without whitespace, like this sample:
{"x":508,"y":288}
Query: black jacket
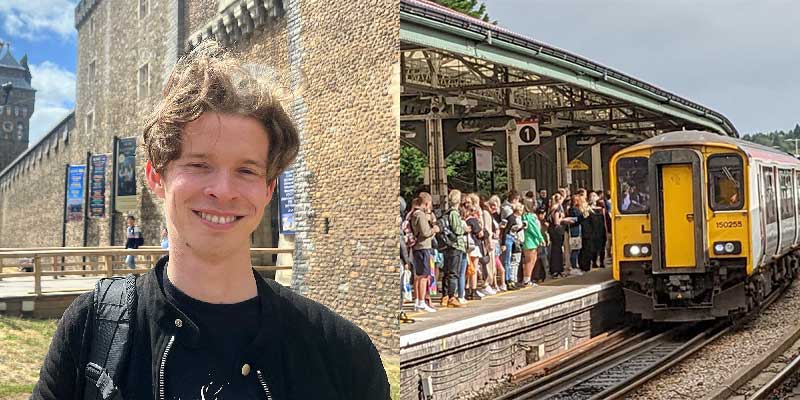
{"x":303,"y":349}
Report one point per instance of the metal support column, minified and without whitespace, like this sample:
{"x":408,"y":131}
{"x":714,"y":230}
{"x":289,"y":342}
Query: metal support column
{"x":597,"y":168}
{"x":436,"y":162}
{"x":514,"y":171}
{"x":562,"y":161}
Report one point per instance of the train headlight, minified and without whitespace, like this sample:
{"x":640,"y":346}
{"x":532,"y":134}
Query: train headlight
{"x":637,"y":250}
{"x":727,"y":248}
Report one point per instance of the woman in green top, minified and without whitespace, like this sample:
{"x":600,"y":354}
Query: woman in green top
{"x":533,"y":239}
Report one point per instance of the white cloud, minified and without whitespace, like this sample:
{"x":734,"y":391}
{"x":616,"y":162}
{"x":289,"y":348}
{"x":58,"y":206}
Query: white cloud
{"x":55,"y":97}
{"x":33,"y":19}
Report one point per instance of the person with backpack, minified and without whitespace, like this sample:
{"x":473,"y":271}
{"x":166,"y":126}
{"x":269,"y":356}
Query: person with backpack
{"x":203,"y":323}
{"x":453,"y":235}
{"x":423,"y":227}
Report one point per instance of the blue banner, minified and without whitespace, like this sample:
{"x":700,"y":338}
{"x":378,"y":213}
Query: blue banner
{"x":75,"y":192}
{"x":286,"y":204}
{"x":97,"y":185}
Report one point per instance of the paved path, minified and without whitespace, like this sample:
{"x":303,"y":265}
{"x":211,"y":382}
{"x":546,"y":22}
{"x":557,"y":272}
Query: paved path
{"x":23,"y":286}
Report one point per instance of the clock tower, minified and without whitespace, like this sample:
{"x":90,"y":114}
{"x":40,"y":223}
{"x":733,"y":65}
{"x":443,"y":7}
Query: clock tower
{"x":16,"y":105}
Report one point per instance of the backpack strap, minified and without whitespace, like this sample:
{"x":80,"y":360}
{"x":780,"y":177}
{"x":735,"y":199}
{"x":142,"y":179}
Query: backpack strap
{"x":111,"y":333}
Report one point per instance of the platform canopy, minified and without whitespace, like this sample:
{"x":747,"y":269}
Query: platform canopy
{"x":471,"y":70}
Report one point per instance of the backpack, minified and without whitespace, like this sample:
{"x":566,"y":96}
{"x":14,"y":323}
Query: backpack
{"x":445,"y":238}
{"x":408,"y":231}
{"x":110,"y":327}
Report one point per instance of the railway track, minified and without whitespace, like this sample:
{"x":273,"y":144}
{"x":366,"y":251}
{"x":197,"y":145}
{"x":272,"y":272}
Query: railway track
{"x":622,"y":369}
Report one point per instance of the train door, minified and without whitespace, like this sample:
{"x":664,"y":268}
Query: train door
{"x":769,"y":203}
{"x":797,"y":207}
{"x":786,"y":208}
{"x":678,"y":211}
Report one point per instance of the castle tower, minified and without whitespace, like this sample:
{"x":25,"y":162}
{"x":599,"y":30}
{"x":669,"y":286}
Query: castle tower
{"x":16,"y":105}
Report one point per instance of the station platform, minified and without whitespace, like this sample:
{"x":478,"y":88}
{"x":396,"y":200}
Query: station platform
{"x":458,"y":350}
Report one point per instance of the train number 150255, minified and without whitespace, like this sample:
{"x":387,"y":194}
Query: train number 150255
{"x":729,"y":224}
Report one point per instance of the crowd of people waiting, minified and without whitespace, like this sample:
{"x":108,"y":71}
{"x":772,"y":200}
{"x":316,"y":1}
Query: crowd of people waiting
{"x":475,"y":245}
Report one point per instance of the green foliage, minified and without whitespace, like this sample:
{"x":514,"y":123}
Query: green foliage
{"x":469,"y":7}
{"x":782,"y":140}
{"x":460,"y":172}
{"x":412,"y":168}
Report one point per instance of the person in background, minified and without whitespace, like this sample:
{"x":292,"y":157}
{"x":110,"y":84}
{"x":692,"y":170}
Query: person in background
{"x":543,"y":202}
{"x":133,"y":239}
{"x":557,"y":225}
{"x":424,"y":229}
{"x":588,"y":234}
{"x":600,"y":221}
{"x":530,"y":246}
{"x":454,"y":255}
{"x":474,"y":249}
{"x":500,"y":273}
{"x":491,"y":284}
{"x":513,"y":233}
{"x":164,"y":238}
{"x":506,"y":244}
{"x":542,"y":266}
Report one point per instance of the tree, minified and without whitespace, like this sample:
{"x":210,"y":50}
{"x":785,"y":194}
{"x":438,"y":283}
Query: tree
{"x":469,"y":7}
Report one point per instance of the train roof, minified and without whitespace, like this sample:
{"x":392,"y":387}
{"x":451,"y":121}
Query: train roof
{"x":686,"y":138}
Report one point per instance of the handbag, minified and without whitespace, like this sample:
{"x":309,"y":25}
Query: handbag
{"x":575,"y":243}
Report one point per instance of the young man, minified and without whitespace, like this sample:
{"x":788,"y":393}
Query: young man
{"x":133,"y":239}
{"x":206,"y":325}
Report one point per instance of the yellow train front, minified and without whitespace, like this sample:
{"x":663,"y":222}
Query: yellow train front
{"x":704,"y":226}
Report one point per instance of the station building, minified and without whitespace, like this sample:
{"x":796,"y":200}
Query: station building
{"x":544,"y":117}
{"x":484,"y":109}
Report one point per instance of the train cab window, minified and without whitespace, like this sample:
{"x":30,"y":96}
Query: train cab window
{"x":725,"y":182}
{"x":633,"y":186}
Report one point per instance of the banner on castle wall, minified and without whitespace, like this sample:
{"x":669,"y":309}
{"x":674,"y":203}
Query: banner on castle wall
{"x":97,"y":186}
{"x":126,"y":175}
{"x":286,"y":203}
{"x":75,"y":192}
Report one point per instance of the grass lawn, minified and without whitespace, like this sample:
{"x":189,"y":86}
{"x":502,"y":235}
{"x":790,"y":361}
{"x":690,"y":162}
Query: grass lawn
{"x":24,"y":343}
{"x":392,"y":367}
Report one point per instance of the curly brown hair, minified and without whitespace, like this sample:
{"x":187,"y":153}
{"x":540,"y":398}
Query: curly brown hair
{"x":212,"y":79}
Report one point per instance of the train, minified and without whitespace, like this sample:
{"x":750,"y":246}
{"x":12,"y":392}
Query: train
{"x":704,"y":226}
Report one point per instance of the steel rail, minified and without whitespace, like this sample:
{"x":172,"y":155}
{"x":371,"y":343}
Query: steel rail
{"x":568,"y":374}
{"x":671,"y":360}
{"x":777,"y":380}
{"x":630,"y":356}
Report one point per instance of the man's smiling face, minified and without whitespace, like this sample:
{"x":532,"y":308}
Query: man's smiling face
{"x":216,"y":191}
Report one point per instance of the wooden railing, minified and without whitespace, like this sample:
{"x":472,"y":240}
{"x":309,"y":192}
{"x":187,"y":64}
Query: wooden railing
{"x":94,"y":261}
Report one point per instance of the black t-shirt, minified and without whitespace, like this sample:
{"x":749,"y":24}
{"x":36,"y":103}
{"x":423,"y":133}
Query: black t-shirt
{"x":214,"y":370}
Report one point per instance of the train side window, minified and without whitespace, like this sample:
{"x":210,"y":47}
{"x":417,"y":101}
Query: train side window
{"x":787,"y":193}
{"x":633,"y":186}
{"x":725,"y":182}
{"x":770,"y":214}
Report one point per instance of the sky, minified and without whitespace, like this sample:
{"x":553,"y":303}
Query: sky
{"x":740,"y":58}
{"x":45,"y":31}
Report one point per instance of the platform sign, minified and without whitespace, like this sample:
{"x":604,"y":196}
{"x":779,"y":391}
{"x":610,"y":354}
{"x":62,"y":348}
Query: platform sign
{"x":97,"y":186}
{"x":527,"y":133}
{"x":126,"y":175}
{"x":483,"y":159}
{"x":75,"y":179}
{"x":286,"y":203}
{"x":578,"y":165}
